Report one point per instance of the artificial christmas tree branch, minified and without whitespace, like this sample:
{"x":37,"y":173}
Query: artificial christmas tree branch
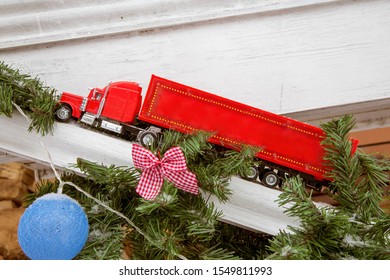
{"x":181,"y":224}
{"x":188,"y":219}
{"x":357,"y":228}
{"x":359,"y":180}
{"x":37,"y":100}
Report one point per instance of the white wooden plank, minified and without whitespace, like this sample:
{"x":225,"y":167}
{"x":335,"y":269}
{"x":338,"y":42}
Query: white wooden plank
{"x":283,"y":61}
{"x":6,"y":158}
{"x":67,"y":144}
{"x":368,"y":115}
{"x":251,"y":206}
{"x":41,"y":21}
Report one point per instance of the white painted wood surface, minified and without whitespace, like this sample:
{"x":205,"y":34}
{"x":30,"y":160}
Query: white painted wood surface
{"x":5,"y":157}
{"x":67,"y":144}
{"x":283,"y":56}
{"x":251,"y":206}
{"x":367,"y":115}
{"x":41,"y":21}
{"x":293,"y":57}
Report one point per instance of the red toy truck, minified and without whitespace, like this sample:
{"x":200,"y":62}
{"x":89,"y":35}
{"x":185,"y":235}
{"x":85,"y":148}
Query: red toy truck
{"x":288,"y":146}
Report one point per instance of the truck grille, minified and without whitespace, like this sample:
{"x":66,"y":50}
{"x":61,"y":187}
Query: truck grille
{"x":83,"y":104}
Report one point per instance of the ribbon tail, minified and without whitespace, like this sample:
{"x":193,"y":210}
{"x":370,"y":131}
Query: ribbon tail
{"x":149,"y":185}
{"x":184,"y":180}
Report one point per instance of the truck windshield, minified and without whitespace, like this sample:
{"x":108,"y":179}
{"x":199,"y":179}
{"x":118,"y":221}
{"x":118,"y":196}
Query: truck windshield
{"x":96,"y":95}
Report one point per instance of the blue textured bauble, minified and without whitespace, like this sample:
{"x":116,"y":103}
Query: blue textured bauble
{"x":54,"y":227}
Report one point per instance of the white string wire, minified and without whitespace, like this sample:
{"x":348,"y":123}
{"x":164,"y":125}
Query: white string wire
{"x":45,"y":148}
{"x":62,"y":183}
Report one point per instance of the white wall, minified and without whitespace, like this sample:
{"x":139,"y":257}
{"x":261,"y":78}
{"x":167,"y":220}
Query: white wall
{"x":282,"y":56}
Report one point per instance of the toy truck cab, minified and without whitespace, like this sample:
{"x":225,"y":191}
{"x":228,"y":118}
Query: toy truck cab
{"x":111,"y":107}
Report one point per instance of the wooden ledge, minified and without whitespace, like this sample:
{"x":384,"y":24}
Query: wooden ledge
{"x":252,"y":206}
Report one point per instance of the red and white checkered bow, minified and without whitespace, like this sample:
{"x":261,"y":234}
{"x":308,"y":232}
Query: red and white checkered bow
{"x":171,"y":167}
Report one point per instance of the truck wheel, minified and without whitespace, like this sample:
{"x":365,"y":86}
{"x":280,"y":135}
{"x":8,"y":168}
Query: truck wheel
{"x":64,"y":113}
{"x":270,"y":179}
{"x":148,"y":138}
{"x":251,"y":174}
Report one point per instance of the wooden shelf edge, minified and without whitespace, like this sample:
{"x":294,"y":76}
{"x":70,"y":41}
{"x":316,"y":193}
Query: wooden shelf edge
{"x":252,"y":206}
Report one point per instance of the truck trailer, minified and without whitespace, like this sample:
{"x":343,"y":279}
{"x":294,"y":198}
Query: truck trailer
{"x":286,"y":147}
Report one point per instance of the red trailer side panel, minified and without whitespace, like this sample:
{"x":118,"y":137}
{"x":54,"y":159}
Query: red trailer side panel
{"x":284,"y":141}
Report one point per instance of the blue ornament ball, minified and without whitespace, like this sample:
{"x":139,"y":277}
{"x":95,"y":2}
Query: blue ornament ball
{"x":54,"y":227}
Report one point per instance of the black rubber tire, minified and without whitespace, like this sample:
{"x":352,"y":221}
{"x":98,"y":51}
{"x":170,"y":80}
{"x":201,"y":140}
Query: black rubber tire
{"x":252,"y":174}
{"x":148,"y":138}
{"x":270,"y":179}
{"x":63,"y":113}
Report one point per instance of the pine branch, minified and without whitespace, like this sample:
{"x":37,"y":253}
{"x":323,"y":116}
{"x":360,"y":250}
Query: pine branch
{"x":167,"y":200}
{"x":105,"y":239}
{"x":380,"y":231}
{"x":37,"y":100}
{"x":188,"y":219}
{"x":371,"y":186}
{"x":6,"y":94}
{"x":212,"y":183}
{"x":286,"y":246}
{"x":165,"y":235}
{"x":199,"y":217}
{"x":217,"y":253}
{"x":359,"y":179}
{"x":321,"y":231}
{"x":123,"y":178}
{"x":214,"y":166}
{"x":357,"y":228}
{"x":246,"y":244}
{"x":192,"y":145}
